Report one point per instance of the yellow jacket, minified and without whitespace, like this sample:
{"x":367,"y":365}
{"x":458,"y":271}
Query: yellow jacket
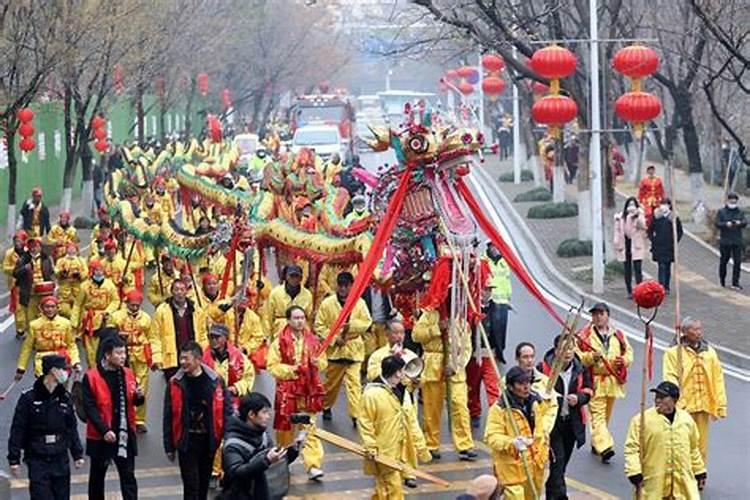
{"x":166,"y":204}
{"x":66,"y":270}
{"x":499,"y":436}
{"x":252,"y":334}
{"x":605,"y":384}
{"x":48,"y":336}
{"x":214,"y":313}
{"x":702,"y":385}
{"x":136,"y":330}
{"x":164,"y":341}
{"x":282,"y":371}
{"x":375,"y":360}
{"x":98,"y":299}
{"x":548,"y":405}
{"x":274,"y":314}
{"x":115,"y":269}
{"x":359,"y":322}
{"x":155,"y":214}
{"x":427,"y":332}
{"x":9,"y":264}
{"x":61,"y":237}
{"x":327,"y":279}
{"x":245,"y":383}
{"x":385,"y":423}
{"x":157,"y":295}
{"x":672,"y":457}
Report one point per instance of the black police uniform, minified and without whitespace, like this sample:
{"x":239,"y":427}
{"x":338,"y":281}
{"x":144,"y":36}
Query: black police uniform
{"x":45,"y":428}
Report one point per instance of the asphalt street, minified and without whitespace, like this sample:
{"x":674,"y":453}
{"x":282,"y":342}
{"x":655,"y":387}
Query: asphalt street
{"x":158,"y":478}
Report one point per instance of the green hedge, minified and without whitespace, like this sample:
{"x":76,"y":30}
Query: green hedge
{"x":574,"y":248}
{"x":553,"y":210}
{"x":526,"y":175}
{"x":536,"y":194}
{"x":613,"y":270}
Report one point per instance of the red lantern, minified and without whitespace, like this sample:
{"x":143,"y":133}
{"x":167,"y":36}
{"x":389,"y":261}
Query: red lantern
{"x":98,"y":122}
{"x":26,"y":130}
{"x":636,"y":61}
{"x":159,"y":87}
{"x":202,"y":81}
{"x":554,"y":110}
{"x":493,"y":63}
{"x":451,"y":74}
{"x":538,"y":88}
{"x":100,"y":134}
{"x":493,"y":86}
{"x":226,"y":99}
{"x":553,"y":62}
{"x":214,"y":128}
{"x":648,"y":294}
{"x":27,"y":144}
{"x":637,"y":107}
{"x":465,"y":88}
{"x":465,"y":71}
{"x":117,"y":79}
{"x":101,"y":146}
{"x":25,"y":115}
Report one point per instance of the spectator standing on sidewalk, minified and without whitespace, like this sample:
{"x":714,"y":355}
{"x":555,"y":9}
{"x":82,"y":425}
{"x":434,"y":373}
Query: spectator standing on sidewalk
{"x":630,"y":241}
{"x":500,"y":298}
{"x":731,"y":221}
{"x":662,"y":240}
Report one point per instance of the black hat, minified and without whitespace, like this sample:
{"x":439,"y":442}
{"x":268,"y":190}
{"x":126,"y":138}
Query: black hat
{"x":667,"y":389}
{"x":293,"y":270}
{"x":518,"y":374}
{"x":218,"y":329}
{"x":599,"y":306}
{"x":53,"y":361}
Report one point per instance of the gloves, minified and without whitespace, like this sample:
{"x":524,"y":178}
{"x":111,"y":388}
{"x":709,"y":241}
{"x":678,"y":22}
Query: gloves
{"x":636,"y":480}
{"x":520,"y":443}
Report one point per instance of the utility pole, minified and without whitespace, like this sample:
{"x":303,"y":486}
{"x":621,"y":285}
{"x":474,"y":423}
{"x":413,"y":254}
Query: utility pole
{"x":516,"y":131}
{"x":595,"y":157}
{"x":480,"y":93}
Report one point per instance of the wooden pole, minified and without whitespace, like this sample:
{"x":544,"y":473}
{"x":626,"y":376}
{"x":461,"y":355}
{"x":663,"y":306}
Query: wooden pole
{"x":125,"y":270}
{"x":677,"y":312}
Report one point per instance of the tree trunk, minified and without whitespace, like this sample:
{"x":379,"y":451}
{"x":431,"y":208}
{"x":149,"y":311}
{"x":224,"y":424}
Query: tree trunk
{"x":139,"y":115}
{"x":163,"y":122}
{"x":584,"y":191}
{"x":691,"y":140}
{"x":189,"y":107}
{"x":71,"y":150}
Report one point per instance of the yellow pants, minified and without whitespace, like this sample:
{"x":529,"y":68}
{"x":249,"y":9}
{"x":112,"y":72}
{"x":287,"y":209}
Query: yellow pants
{"x":701,"y":420}
{"x":32,"y":310}
{"x":433,"y":394}
{"x":601,"y":413}
{"x":20,"y":318}
{"x":91,"y":344}
{"x":387,"y":485}
{"x":523,"y":491}
{"x":409,"y":457}
{"x":336,"y":373}
{"x":141,"y":372}
{"x":218,"y":469}
{"x":312,"y":449}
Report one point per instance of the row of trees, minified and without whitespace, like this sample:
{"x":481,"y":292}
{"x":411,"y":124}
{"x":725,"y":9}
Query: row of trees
{"x":88,"y":53}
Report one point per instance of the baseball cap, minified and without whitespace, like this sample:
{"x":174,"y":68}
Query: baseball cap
{"x":293,"y":270}
{"x":218,"y":329}
{"x":53,"y":361}
{"x":667,"y":389}
{"x":517,"y":374}
{"x":600,"y":306}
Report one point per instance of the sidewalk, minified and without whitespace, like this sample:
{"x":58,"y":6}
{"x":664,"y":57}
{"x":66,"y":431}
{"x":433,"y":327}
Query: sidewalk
{"x":701,"y":296}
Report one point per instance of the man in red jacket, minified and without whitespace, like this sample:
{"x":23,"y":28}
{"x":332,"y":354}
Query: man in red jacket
{"x":196,"y":406}
{"x":110,"y":395}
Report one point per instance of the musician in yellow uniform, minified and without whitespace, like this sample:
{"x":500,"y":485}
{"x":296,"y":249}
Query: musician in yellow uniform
{"x":71,"y":271}
{"x":96,"y":300}
{"x":701,"y":383}
{"x":160,"y":284}
{"x":428,"y":332}
{"x":327,"y":279}
{"x":218,"y":310}
{"x":113,"y":264}
{"x":347,"y":351}
{"x":152,"y":213}
{"x":135,"y":326}
{"x":385,"y":423}
{"x":252,"y":335}
{"x":164,"y":198}
{"x":289,"y":293}
{"x":48,"y":334}
{"x":608,"y":352}
{"x":61,"y":234}
{"x":136,"y":268}
{"x":9,"y":264}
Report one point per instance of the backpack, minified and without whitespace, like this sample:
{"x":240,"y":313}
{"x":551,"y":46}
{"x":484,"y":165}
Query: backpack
{"x":277,"y":475}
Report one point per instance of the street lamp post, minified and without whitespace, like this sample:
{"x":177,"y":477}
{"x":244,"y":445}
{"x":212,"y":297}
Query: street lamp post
{"x":595,"y":157}
{"x":516,"y":131}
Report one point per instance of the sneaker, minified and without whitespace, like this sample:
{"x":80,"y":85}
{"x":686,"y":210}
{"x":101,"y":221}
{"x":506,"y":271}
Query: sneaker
{"x":327,"y":415}
{"x":607,"y":455}
{"x":410,"y":482}
{"x":737,"y":287}
{"x":315,"y":474}
{"x":467,"y":455}
{"x":141,"y":428}
{"x":476,"y":422}
{"x":435,"y":454}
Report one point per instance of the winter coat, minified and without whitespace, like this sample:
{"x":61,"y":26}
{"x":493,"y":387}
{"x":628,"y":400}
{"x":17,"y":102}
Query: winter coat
{"x":730,"y":235}
{"x":25,"y":277}
{"x":633,"y":227}
{"x":702,"y":387}
{"x":662,"y":242}
{"x":27,"y":216}
{"x":244,"y":469}
{"x":359,"y":322}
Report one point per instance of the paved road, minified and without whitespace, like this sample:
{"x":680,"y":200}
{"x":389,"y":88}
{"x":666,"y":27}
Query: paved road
{"x":590,"y":479}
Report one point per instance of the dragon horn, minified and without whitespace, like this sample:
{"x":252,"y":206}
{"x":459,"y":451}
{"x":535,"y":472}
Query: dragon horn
{"x":382,"y":139}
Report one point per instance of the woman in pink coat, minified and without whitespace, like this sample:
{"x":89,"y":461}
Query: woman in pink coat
{"x":630,"y":241}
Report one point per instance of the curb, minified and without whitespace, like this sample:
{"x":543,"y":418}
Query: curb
{"x":735,"y":359}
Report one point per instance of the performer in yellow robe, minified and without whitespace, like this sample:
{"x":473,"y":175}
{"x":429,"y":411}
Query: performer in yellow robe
{"x":71,"y":271}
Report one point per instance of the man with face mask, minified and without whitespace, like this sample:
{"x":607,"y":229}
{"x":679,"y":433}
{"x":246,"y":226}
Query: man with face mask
{"x":661,"y":234}
{"x":289,"y":293}
{"x":12,"y":256}
{"x":96,"y":300}
{"x":48,"y":334}
{"x":35,"y":215}
{"x":136,"y":329}
{"x":670,"y":465}
{"x":45,"y":429}
{"x":61,"y":234}
{"x":359,"y":210}
{"x":34,"y":270}
{"x":730,"y":220}
{"x":70,"y":271}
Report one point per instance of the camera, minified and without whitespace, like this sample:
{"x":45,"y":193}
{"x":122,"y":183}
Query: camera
{"x":299,"y":418}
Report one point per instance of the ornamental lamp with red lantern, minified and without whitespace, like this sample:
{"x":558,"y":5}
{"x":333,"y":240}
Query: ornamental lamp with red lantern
{"x":554,"y":63}
{"x":637,"y":107}
{"x":493,"y":63}
{"x":26,"y":129}
{"x":451,"y":74}
{"x":99,"y":133}
{"x":554,"y":111}
{"x":226,"y":99}
{"x":493,"y":86}
{"x":465,"y":88}
{"x":202,"y":82}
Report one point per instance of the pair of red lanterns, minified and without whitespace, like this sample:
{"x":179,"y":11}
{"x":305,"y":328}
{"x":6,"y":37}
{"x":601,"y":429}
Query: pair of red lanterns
{"x":26,"y":129}
{"x":492,"y":84}
{"x":99,"y":133}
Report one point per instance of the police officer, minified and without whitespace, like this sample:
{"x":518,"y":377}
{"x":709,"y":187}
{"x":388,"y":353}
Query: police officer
{"x":44,"y":427}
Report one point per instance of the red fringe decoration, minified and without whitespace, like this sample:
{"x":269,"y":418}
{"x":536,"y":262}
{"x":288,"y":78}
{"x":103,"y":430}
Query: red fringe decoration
{"x":439,"y":284}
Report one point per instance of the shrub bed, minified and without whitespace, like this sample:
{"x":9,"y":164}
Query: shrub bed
{"x":536,"y":194}
{"x":574,"y":248}
{"x":526,"y":175}
{"x":553,"y":210}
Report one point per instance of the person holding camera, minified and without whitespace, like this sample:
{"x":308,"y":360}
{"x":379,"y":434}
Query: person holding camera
{"x":249,"y":452}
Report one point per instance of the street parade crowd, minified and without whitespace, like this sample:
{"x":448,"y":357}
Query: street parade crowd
{"x":79,"y":316}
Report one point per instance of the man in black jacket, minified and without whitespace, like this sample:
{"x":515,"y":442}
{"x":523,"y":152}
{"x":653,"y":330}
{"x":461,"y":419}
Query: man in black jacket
{"x":35,"y":215}
{"x":44,"y":427}
{"x":731,"y":221}
{"x":32,"y":268}
{"x":249,"y":450}
{"x":574,"y":388}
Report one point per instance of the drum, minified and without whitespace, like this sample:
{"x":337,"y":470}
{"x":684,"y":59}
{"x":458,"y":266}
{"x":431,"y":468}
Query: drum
{"x":43,"y":288}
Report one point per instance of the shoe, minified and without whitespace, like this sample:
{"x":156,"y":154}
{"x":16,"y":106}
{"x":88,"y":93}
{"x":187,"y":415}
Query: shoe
{"x":141,"y":428}
{"x":723,"y":285}
{"x":476,"y":422}
{"x":410,"y":483}
{"x":213,"y":483}
{"x":435,"y":454}
{"x":630,"y":295}
{"x":737,"y":287}
{"x":327,"y":415}
{"x":607,"y":455}
{"x":20,"y":335}
{"x":315,"y":474}
{"x":467,"y":455}
{"x":354,"y":422}
{"x":593,"y":451}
